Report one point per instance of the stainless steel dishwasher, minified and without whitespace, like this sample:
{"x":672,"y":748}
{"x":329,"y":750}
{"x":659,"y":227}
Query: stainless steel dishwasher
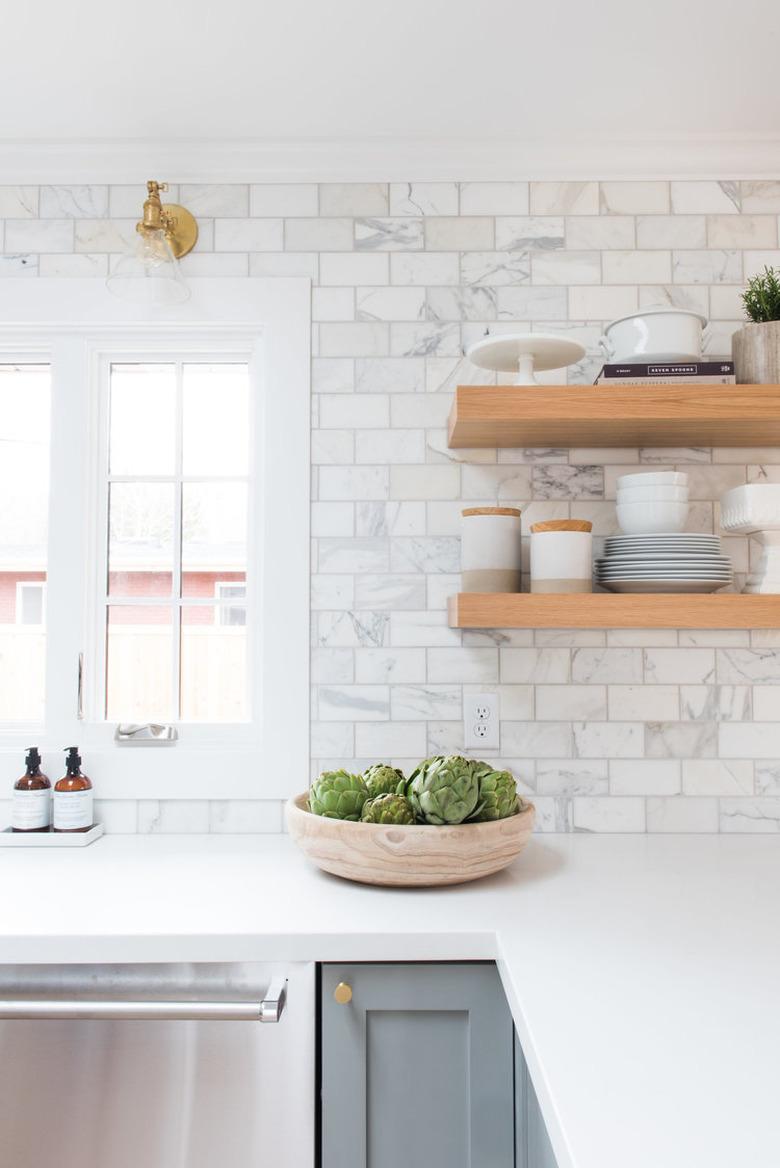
{"x":157,"y":1066}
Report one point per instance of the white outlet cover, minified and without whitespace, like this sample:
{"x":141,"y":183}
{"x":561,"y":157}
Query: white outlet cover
{"x":480,"y":721}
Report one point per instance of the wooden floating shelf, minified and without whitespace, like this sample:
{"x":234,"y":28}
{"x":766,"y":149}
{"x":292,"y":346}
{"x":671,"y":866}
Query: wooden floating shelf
{"x":601,"y":610}
{"x":603,"y":415}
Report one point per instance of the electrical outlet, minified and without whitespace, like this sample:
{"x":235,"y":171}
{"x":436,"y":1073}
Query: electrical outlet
{"x":480,"y":721}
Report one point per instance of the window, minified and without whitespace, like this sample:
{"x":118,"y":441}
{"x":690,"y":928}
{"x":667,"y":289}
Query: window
{"x":31,"y":603}
{"x":178,"y":489}
{"x":141,"y":545}
{"x":24,"y":503}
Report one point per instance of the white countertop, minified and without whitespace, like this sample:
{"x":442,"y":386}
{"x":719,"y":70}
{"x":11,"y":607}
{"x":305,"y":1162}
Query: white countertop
{"x":643,"y":972}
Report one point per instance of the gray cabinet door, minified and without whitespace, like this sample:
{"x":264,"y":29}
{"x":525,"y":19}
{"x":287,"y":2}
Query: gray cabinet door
{"x":534,"y":1149}
{"x":417,"y":1069}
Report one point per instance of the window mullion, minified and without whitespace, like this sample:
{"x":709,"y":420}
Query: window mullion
{"x":176,"y":614}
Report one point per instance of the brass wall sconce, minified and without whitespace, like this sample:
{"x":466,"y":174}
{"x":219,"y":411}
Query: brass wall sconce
{"x":149,"y":272}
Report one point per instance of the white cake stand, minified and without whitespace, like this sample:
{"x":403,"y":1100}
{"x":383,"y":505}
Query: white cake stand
{"x":524,"y":353}
{"x":754,"y":510}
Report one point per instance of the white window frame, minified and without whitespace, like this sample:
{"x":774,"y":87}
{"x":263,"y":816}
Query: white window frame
{"x":75,"y":324}
{"x":18,"y":604}
{"x":222,"y":603}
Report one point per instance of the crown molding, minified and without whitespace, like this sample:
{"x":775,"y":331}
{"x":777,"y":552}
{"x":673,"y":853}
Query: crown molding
{"x":385,"y":160}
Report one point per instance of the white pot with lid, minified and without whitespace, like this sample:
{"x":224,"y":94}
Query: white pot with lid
{"x":662,"y":334}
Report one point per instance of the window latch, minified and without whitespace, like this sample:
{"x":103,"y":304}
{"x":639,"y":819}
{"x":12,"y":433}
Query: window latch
{"x":145,"y":734}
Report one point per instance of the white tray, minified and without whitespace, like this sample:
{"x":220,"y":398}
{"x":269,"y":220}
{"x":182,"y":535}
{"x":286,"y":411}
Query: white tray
{"x":49,"y":839}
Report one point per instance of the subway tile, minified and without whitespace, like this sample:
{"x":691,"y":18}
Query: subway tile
{"x":389,"y":234}
{"x":608,"y":740}
{"x":607,"y":666}
{"x":358,"y":410}
{"x":333,"y":375}
{"x":466,"y":664}
{"x":390,"y":446}
{"x":707,"y":267}
{"x":766,"y":703}
{"x":748,"y":666}
{"x":553,"y":814}
{"x":426,"y":339}
{"x":602,"y":303}
{"x":742,"y":231}
{"x":364,"y":339}
{"x":19,"y":265}
{"x":19,"y":202}
{"x":710,"y":776}
{"x":352,"y":629}
{"x":634,"y":198}
{"x":39,"y":235}
{"x":332,"y":740}
{"x":759,"y":816}
{"x":566,"y":267}
{"x":215,"y":264}
{"x":682,"y":815}
{"x":541,"y":303}
{"x":459,"y":233}
{"x":644,"y":776}
{"x":426,"y":702}
{"x":535,"y":666}
{"x":705,"y":197}
{"x":390,"y":303}
{"x":393,"y":666}
{"x":530,"y":233}
{"x":424,"y":198}
{"x":767,"y":777}
{"x":572,"y":776}
{"x":353,"y":199}
{"x":333,"y":304}
{"x":564,"y":198}
{"x":601,"y":233}
{"x":495,"y":268}
{"x":425,"y":554}
{"x":353,"y":703}
{"x":354,"y":482}
{"x":424,"y":482}
{"x":118,"y":816}
{"x":671,"y":231}
{"x":681,"y":739}
{"x":494,"y":198}
{"x":692,"y":297}
{"x":549,"y":481}
{"x":283,"y":199}
{"x":424,"y":268}
{"x":332,"y":447}
{"x":537,"y":739}
{"x":249,"y":235}
{"x":354,"y":268}
{"x":679,"y":666}
{"x":353,"y":555}
{"x":581,"y":702}
{"x":245,"y":816}
{"x":515,"y":702}
{"x":173,"y":816}
{"x":390,"y":375}
{"x":749,"y":740}
{"x":475,"y":303}
{"x":74,"y":202}
{"x":334,"y":666}
{"x":313,"y":234}
{"x":385,"y":739}
{"x":715,"y":703}
{"x":637,"y":267}
{"x":211,"y":199}
{"x":73,"y":264}
{"x":280,"y":263}
{"x":644,"y":703}
{"x":760,"y":195}
{"x":618,"y":814}
{"x":386,"y":519}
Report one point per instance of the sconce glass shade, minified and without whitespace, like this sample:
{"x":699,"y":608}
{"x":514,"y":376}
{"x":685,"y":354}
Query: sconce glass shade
{"x":149,"y":273}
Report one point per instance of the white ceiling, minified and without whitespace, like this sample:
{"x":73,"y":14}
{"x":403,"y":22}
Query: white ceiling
{"x":428,"y":74}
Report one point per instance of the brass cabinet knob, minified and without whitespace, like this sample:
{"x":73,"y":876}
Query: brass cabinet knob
{"x":343,"y":993}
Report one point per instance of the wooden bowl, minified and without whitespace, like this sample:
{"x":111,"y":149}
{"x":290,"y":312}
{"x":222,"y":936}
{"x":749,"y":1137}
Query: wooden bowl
{"x":408,"y":856}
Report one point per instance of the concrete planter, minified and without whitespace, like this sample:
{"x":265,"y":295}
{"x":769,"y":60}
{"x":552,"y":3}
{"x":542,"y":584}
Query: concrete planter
{"x":756,"y":349}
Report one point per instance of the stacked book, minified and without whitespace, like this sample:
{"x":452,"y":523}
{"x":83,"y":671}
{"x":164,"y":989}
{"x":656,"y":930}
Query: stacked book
{"x":682,"y":373}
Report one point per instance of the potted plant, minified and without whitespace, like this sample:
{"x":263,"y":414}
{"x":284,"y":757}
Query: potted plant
{"x":756,"y":347}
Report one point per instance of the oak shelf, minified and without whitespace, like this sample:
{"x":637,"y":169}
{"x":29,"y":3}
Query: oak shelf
{"x":602,"y":610}
{"x":604,"y":415}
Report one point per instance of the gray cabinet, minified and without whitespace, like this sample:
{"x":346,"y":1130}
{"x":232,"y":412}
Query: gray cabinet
{"x":417,"y":1069}
{"x":533,"y":1147}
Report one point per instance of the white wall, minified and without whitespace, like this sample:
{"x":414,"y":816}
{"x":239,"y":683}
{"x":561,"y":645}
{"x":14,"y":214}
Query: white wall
{"x":608,"y":731}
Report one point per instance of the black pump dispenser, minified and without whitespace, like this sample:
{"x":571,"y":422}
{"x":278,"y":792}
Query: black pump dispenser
{"x":73,"y":760}
{"x":32,"y":761}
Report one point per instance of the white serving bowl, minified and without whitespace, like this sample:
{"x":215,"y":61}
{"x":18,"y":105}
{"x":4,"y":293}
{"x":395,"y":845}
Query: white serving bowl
{"x":661,"y":333}
{"x":656,"y":478}
{"x":652,"y":494}
{"x":751,"y":507}
{"x":659,"y":516}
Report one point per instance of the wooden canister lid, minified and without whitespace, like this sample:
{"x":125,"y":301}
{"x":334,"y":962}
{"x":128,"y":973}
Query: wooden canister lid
{"x":492,"y":511}
{"x":563,"y":525}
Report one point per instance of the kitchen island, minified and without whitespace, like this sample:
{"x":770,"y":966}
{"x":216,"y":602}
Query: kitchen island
{"x":641,"y":971}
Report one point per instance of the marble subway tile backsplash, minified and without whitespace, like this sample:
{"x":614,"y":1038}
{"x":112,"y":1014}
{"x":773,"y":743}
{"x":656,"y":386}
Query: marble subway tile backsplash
{"x":608,"y":730}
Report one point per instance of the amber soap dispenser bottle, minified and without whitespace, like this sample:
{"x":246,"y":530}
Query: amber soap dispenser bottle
{"x":73,"y":796}
{"x":31,"y":803}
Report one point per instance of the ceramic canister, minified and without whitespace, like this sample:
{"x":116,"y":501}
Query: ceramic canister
{"x":562,"y":556}
{"x":490,"y":549}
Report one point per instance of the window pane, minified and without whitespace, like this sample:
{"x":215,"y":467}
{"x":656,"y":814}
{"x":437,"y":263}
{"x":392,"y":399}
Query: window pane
{"x":24,"y":492}
{"x":143,"y":419}
{"x":140,"y":539}
{"x":213,"y":665}
{"x":216,"y":419}
{"x":139,"y":664}
{"x":214,"y":529}
{"x":29,"y":603}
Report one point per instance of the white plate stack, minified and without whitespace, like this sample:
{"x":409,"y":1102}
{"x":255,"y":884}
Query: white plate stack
{"x":663,"y":562}
{"x":653,"y":502}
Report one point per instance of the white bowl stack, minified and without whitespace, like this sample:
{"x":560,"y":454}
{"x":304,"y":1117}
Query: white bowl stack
{"x":654,"y":554}
{"x":652,"y":503}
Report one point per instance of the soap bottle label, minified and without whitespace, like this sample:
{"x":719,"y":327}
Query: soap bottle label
{"x":30,"y":809}
{"x":72,"y":810}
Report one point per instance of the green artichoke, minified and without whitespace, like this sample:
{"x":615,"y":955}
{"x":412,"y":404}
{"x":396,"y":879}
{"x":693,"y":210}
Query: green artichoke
{"x":497,"y":793}
{"x":445,"y":790}
{"x":338,"y":795}
{"x":382,"y":779}
{"x":388,"y":809}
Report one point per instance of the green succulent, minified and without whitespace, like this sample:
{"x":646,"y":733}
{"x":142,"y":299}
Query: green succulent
{"x":388,"y":808}
{"x":497,"y":794}
{"x":382,"y":779}
{"x":445,"y":790}
{"x":338,"y":795}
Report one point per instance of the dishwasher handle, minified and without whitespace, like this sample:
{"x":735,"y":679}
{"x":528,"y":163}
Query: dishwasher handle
{"x":95,"y":1010}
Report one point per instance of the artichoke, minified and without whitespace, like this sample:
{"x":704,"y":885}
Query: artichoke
{"x":382,"y":779}
{"x":445,"y":790}
{"x":338,"y":795}
{"x":388,"y":809}
{"x":497,"y":793}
